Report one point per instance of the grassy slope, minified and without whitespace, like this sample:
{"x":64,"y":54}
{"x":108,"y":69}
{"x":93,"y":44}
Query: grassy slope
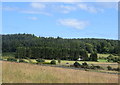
{"x":29,"y":73}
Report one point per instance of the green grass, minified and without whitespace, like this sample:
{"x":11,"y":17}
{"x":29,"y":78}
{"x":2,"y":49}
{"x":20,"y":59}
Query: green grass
{"x":105,"y":55}
{"x":63,"y":62}
{"x":102,"y":60}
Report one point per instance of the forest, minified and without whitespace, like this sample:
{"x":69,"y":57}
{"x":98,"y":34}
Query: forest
{"x":31,"y":46}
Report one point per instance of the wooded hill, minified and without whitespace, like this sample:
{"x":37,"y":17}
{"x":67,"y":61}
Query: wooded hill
{"x":50,"y":47}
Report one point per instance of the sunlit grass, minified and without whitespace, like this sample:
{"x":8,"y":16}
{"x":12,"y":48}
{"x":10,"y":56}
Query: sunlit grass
{"x":30,"y":73}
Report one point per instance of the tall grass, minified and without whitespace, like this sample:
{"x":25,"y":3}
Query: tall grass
{"x":30,"y":73}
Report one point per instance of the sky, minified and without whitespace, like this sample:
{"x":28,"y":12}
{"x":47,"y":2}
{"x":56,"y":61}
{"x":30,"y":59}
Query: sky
{"x":64,"y":19}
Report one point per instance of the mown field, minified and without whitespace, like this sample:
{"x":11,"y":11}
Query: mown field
{"x":101,"y":62}
{"x":29,"y":73}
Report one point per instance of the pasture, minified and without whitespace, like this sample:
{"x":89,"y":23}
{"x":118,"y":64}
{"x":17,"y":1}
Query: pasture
{"x":30,"y":73}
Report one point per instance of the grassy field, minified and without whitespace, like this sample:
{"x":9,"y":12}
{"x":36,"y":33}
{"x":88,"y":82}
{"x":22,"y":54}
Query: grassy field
{"x":30,"y":73}
{"x":101,"y":62}
{"x":13,"y":54}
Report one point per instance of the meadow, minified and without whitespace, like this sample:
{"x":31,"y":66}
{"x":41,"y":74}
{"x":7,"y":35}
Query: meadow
{"x":101,"y":62}
{"x":31,"y":73}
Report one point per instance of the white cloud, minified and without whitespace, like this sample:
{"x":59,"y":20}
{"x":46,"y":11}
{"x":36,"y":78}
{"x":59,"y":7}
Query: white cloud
{"x":33,"y":18}
{"x":35,"y":12}
{"x":67,"y":9}
{"x":26,"y":11}
{"x":37,"y":5}
{"x":73,"y":23}
{"x":89,"y":8}
{"x":70,"y":7}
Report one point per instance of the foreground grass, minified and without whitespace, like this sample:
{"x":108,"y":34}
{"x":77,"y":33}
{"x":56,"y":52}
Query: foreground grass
{"x":29,"y":73}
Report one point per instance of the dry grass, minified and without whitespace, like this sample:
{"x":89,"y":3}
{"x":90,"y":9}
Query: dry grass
{"x":29,"y":73}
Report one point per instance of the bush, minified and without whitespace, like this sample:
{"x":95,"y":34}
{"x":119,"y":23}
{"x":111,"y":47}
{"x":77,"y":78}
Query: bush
{"x":53,"y":62}
{"x":109,"y":67}
{"x":115,"y":59}
{"x":76,"y":64}
{"x":116,"y":69}
{"x":118,"y":62}
{"x":40,"y":60}
{"x":12,"y":59}
{"x":92,"y":67}
{"x":98,"y":67}
{"x":59,"y":61}
{"x":21,"y":60}
{"x":84,"y":64}
{"x":110,"y":58}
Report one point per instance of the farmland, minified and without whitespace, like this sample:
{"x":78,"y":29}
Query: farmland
{"x":29,"y":73}
{"x":31,"y":59}
{"x":59,"y":42}
{"x":101,"y":62}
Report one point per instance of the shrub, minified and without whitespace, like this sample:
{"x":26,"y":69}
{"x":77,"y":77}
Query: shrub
{"x":40,"y":60}
{"x":53,"y":62}
{"x":76,"y":64}
{"x":116,"y":69}
{"x":115,"y":59}
{"x":98,"y":67}
{"x":92,"y":67}
{"x":118,"y":62}
{"x":21,"y":60}
{"x":110,"y":58}
{"x":84,"y":64}
{"x":67,"y":63}
{"x":59,"y":61}
{"x":109,"y":67}
{"x":12,"y":59}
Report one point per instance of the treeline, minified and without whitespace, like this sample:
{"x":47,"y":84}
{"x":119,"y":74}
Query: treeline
{"x":29,"y":45}
{"x":51,"y":53}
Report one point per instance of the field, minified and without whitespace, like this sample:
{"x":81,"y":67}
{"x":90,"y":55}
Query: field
{"x":30,"y":73}
{"x":101,"y":62}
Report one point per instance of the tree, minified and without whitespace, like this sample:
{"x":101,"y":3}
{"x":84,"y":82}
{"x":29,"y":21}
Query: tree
{"x":109,"y":67}
{"x":76,"y":64}
{"x":31,"y":46}
{"x":53,"y":62}
{"x":59,"y":61}
{"x":84,"y":55}
{"x":93,"y":57}
{"x":89,"y":47}
{"x":110,"y":58}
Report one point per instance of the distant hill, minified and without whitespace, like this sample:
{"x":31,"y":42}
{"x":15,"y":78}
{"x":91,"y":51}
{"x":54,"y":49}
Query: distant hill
{"x":11,"y":41}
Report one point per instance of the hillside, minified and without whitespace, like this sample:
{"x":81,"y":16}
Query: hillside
{"x":29,"y":73}
{"x":12,"y":41}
